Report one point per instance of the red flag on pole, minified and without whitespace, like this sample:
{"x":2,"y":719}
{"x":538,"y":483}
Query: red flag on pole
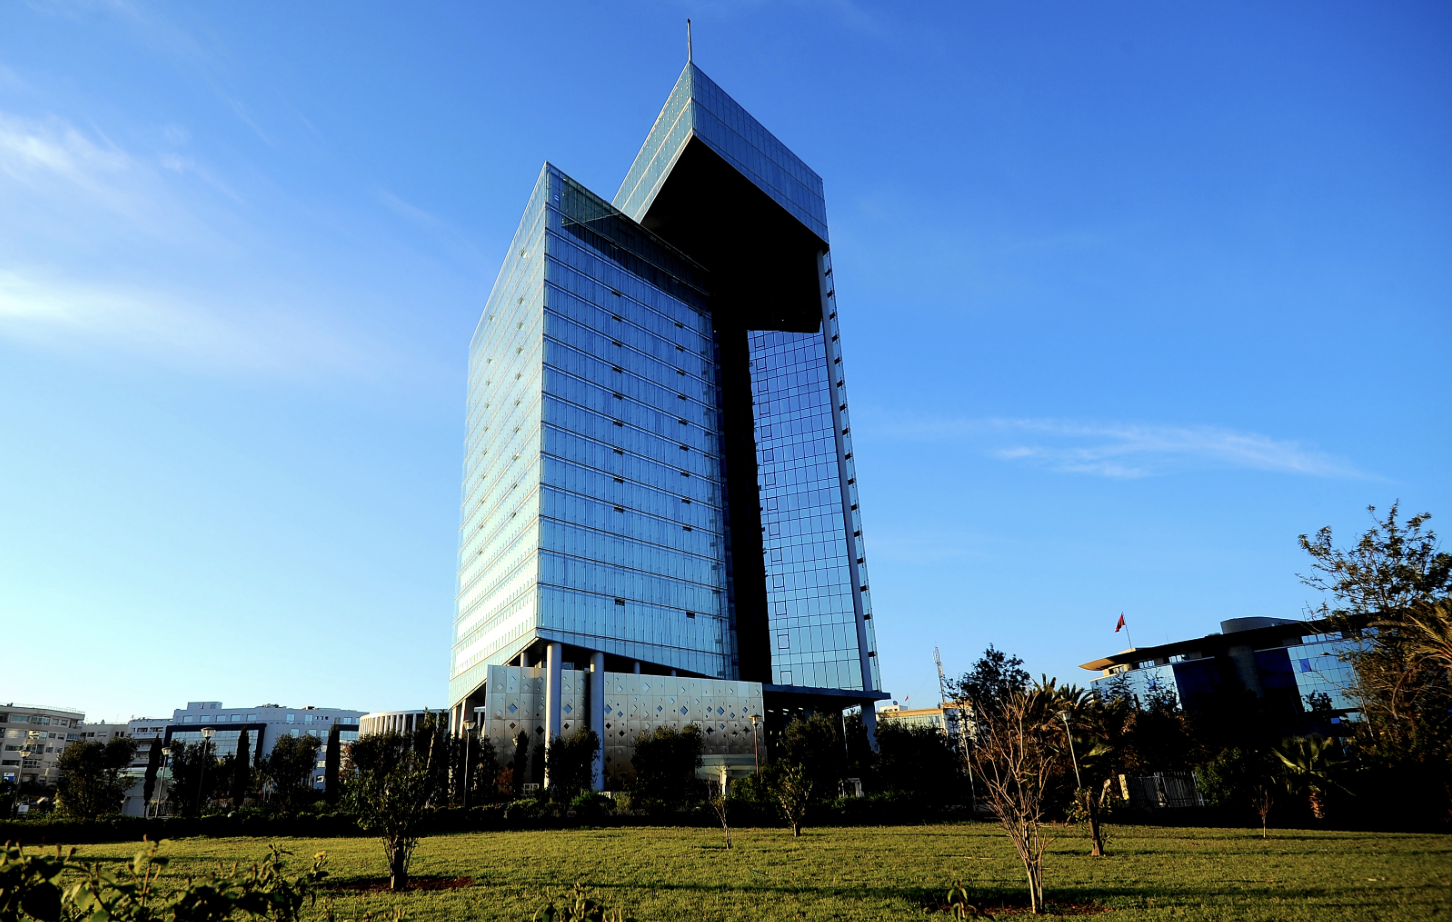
{"x":1120,"y":624}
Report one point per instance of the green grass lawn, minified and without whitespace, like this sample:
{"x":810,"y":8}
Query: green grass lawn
{"x":681,"y":874}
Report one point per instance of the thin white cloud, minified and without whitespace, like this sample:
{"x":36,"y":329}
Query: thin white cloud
{"x":450,"y":238}
{"x":53,"y":309}
{"x":1127,"y":450}
{"x":107,"y":248}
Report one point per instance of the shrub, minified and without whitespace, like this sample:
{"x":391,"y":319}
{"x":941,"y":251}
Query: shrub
{"x":591,"y":806}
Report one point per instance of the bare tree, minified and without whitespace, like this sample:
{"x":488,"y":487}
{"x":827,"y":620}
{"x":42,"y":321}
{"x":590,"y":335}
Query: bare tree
{"x":1261,"y":801}
{"x":1016,"y":758}
{"x":721,"y":803}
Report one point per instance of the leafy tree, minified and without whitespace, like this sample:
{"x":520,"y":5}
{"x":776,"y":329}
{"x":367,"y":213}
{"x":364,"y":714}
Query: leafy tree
{"x":816,"y":745}
{"x":288,"y":770}
{"x":794,"y":791}
{"x":1311,"y":766}
{"x":374,"y":751}
{"x":91,"y":782}
{"x":1429,"y":634}
{"x":481,"y":774}
{"x":1240,"y":779}
{"x":393,"y":799}
{"x":1385,"y":589}
{"x":570,"y":764}
{"x":192,"y":764}
{"x":1091,"y":757}
{"x":153,"y":767}
{"x":665,"y":766}
{"x":1159,"y":736}
{"x":921,"y":761}
{"x":332,"y":761}
{"x":241,"y":770}
{"x":994,"y":679}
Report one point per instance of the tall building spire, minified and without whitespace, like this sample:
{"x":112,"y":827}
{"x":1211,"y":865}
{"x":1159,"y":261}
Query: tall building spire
{"x":688,"y":41}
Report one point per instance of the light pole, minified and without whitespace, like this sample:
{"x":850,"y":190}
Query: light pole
{"x":160,"y":795}
{"x":1068,"y":731}
{"x":27,"y":749}
{"x":468,"y":732}
{"x":207,"y":734}
{"x":755,"y":749}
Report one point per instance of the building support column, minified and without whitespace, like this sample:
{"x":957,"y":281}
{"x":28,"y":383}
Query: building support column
{"x":869,"y":723}
{"x":554,"y":654}
{"x":597,"y":718}
{"x":637,"y":667}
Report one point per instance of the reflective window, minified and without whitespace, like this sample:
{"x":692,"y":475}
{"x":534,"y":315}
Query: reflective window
{"x":808,"y":573}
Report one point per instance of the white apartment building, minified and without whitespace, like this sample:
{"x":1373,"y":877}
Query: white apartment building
{"x":34,"y":737}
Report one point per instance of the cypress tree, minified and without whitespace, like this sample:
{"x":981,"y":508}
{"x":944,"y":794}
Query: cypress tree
{"x":521,"y":763}
{"x":242,"y":769}
{"x":148,"y":784}
{"x":331,"y":761}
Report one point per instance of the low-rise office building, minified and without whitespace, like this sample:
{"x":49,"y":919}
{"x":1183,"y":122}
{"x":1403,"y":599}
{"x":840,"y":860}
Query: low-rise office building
{"x":1294,"y":669}
{"x":398,"y":721}
{"x":102,"y":732}
{"x":945,"y":717}
{"x":265,"y":725}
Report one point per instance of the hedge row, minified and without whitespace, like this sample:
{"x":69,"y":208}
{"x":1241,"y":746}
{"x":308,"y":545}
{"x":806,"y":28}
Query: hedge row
{"x":523,"y":814}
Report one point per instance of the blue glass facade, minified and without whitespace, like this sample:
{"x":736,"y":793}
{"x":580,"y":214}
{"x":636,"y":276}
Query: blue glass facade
{"x":658,"y":463}
{"x":1291,"y":676}
{"x":698,"y":108}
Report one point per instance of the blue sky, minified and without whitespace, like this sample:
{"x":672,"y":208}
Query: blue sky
{"x":1132,"y":295}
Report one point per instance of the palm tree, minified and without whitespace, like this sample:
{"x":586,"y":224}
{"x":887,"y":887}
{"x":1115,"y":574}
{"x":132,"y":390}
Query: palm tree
{"x":1430,"y":633}
{"x":1310,"y":763}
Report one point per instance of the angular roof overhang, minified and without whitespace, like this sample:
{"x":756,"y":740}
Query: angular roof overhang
{"x":716,"y":185}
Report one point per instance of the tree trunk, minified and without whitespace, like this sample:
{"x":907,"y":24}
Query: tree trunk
{"x":397,"y":866}
{"x":796,"y":830}
{"x":1036,"y":886}
{"x":1095,"y":840}
{"x":1318,"y":806}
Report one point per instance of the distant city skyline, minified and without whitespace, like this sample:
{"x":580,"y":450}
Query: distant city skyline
{"x":1132,"y":298}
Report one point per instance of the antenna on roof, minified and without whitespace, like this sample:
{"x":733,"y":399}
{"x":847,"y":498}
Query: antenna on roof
{"x":688,"y":41}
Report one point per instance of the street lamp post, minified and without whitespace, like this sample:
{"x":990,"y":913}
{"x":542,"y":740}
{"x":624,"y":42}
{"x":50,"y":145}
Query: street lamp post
{"x":207,"y":734}
{"x":1068,"y":731}
{"x":27,"y":749}
{"x":468,"y":732}
{"x":755,"y":749}
{"x":162,"y":774}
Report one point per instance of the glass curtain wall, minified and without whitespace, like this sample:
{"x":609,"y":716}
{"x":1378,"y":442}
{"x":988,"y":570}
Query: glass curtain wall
{"x":632,"y":557}
{"x":499,"y":524}
{"x":809,"y":580}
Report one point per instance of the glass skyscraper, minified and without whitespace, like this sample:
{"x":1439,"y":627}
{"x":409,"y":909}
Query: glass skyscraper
{"x":659,"y":472}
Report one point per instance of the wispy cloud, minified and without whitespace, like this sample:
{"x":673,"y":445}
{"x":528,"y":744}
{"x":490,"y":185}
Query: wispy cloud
{"x":449,"y":237}
{"x":1127,"y":450}
{"x":54,"y":309}
{"x":142,"y":250}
